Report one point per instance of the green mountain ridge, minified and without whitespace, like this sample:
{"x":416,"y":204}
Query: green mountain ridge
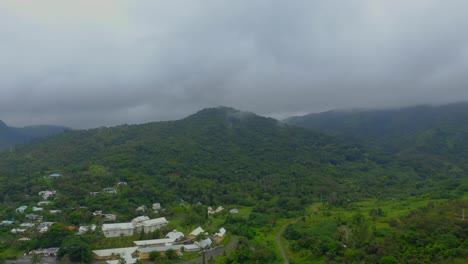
{"x":438,"y":134}
{"x":218,"y":155}
{"x":11,"y":136}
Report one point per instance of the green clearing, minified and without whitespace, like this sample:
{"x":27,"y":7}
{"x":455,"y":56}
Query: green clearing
{"x":391,"y":212}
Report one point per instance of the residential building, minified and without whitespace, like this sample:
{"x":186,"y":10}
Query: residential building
{"x":204,"y":244}
{"x":219,"y":236}
{"x":154,"y":224}
{"x":196,"y":232}
{"x":21,"y":209}
{"x":174,"y":234}
{"x":118,"y":229}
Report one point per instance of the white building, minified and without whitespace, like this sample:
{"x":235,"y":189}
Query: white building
{"x":129,"y":254}
{"x":154,"y":224}
{"x":46,"y":194}
{"x":196,"y":232}
{"x":154,"y":242}
{"x":118,"y":229}
{"x":174,"y":234}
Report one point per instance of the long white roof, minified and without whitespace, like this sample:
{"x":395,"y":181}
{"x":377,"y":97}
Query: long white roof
{"x":117,"y":226}
{"x":162,"y":241}
{"x":156,"y":221}
{"x":125,"y":253}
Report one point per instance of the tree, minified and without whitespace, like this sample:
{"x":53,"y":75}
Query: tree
{"x":65,"y":259}
{"x":171,"y":254}
{"x":76,"y":248}
{"x":35,"y":258}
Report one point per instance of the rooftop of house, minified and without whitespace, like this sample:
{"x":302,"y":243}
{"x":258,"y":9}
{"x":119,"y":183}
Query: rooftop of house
{"x":221,"y":232}
{"x":175,"y":234}
{"x":197,"y":231}
{"x":160,"y":248}
{"x":117,"y":226}
{"x":155,"y":221}
{"x":162,"y":241}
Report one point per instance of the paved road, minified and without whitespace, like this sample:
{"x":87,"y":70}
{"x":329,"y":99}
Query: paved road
{"x":27,"y":260}
{"x":216,"y":252}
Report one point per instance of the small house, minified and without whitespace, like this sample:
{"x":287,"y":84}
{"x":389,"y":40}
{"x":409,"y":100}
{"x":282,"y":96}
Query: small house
{"x":219,"y":236}
{"x":21,"y":209}
{"x":196,"y":232}
{"x":110,"y":190}
{"x":174,"y":234}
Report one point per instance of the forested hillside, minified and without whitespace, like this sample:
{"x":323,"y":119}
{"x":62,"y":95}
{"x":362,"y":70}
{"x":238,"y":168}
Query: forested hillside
{"x":215,"y":155}
{"x":11,"y":136}
{"x":426,"y":137}
{"x":223,"y":156}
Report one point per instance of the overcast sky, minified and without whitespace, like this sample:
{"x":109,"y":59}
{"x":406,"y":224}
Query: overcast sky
{"x":89,"y":63}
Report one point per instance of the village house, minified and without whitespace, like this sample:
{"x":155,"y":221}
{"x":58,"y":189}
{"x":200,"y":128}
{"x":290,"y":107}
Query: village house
{"x":118,"y":229}
{"x":43,"y":203}
{"x":204,"y":244}
{"x":18,"y":230}
{"x":154,"y":224}
{"x":219,"y":236}
{"x":109,"y":217}
{"x":97,"y":213}
{"x":137,"y":222}
{"x":109,"y":190}
{"x":174,"y":234}
{"x":55,"y":211}
{"x":218,"y":210}
{"x":86,"y":229}
{"x":192,"y":248}
{"x":196,"y":232}
{"x":7,"y":222}
{"x":54,"y":175}
{"x":141,"y":209}
{"x":113,"y":255}
{"x":34,"y":217}
{"x":37,"y":209}
{"x":156,"y":207}
{"x":27,"y":225}
{"x":46,"y":194}
{"x":42,"y":228}
{"x":21,"y":209}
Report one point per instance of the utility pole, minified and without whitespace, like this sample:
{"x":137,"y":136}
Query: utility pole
{"x":463,"y":214}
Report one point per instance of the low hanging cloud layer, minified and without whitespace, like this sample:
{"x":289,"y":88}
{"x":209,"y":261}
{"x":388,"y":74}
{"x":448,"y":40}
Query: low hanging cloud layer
{"x":95,"y":63}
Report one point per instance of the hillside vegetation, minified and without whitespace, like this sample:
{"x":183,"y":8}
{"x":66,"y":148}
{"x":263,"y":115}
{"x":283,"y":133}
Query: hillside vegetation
{"x":222,"y":156}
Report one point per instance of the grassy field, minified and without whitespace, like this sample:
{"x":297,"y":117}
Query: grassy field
{"x":391,"y":209}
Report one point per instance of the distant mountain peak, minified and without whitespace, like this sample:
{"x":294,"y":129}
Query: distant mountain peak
{"x":2,"y":124}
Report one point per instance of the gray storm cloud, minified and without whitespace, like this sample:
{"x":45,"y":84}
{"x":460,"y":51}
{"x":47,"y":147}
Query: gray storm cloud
{"x":93,"y":63}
